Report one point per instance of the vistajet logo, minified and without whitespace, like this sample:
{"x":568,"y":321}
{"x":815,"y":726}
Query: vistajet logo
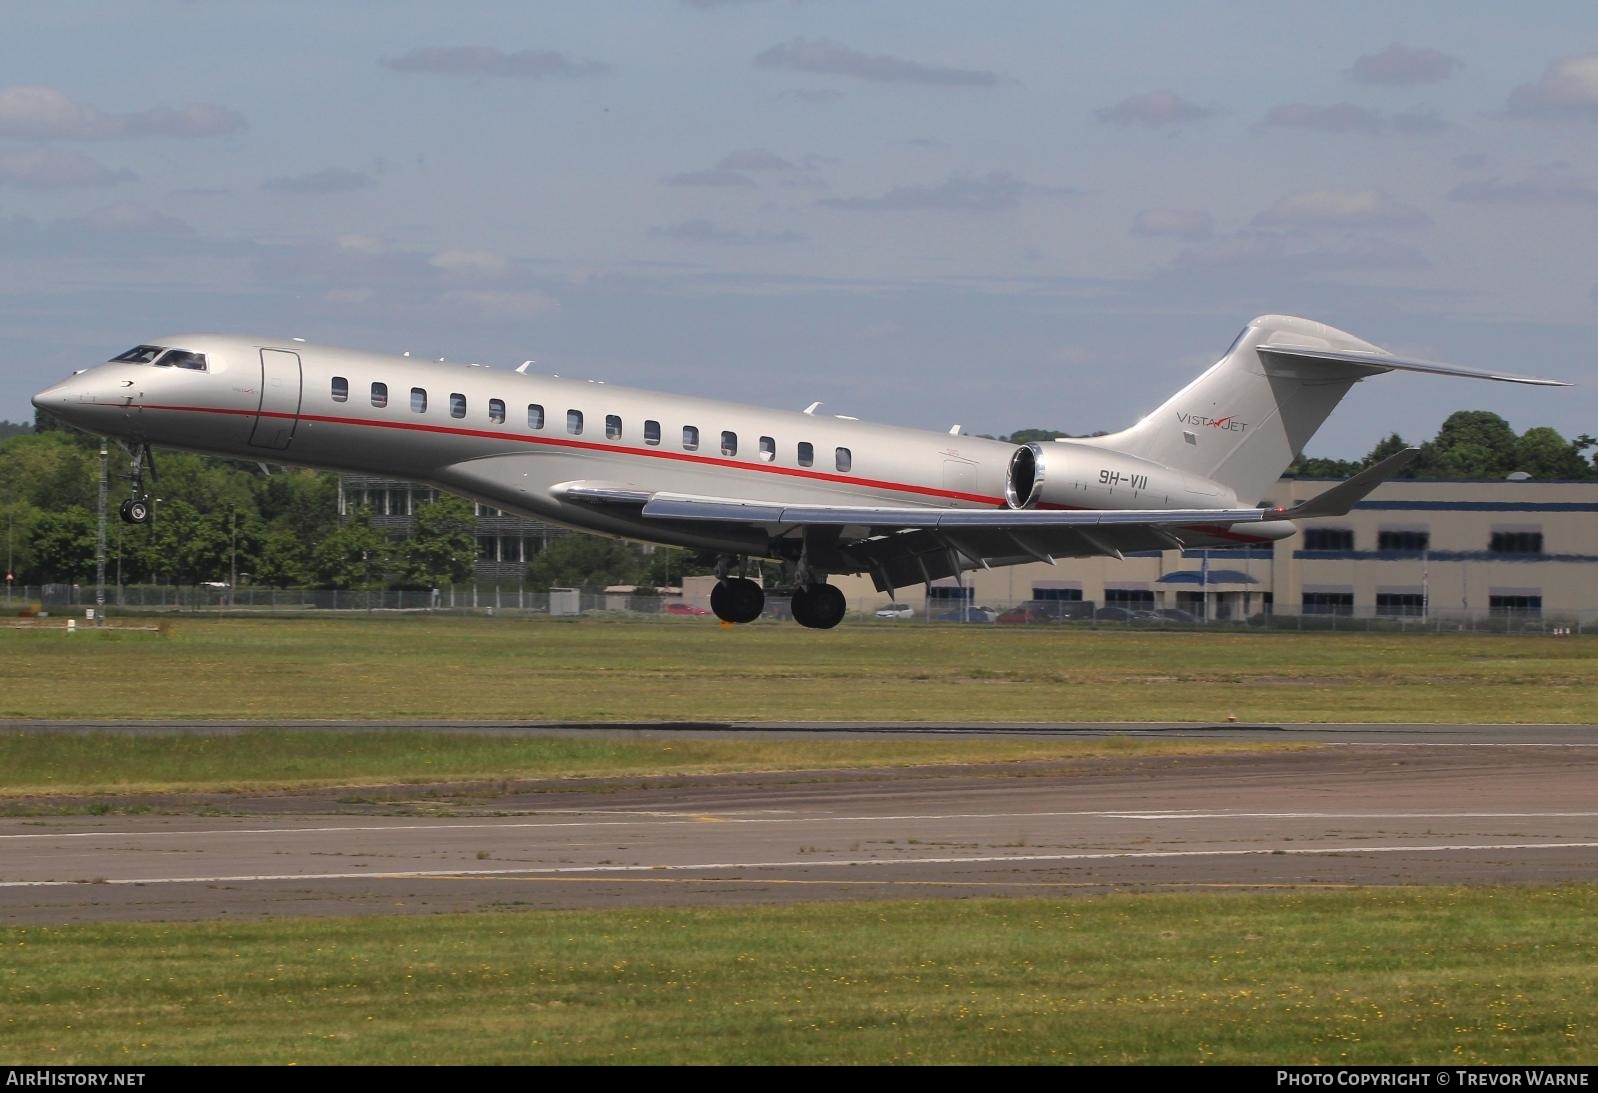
{"x":1229,"y":423}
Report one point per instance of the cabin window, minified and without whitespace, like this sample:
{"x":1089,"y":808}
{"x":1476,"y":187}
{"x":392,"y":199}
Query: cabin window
{"x":418,"y":400}
{"x":690,"y":438}
{"x":842,"y":458}
{"x":729,"y":442}
{"x":457,"y":404}
{"x":139,"y":354}
{"x":807,"y":453}
{"x":651,"y":432}
{"x":496,"y":411}
{"x":574,"y":422}
{"x":612,"y":427}
{"x":341,"y":389}
{"x":535,"y":416}
{"x":380,"y":395}
{"x":768,"y":449}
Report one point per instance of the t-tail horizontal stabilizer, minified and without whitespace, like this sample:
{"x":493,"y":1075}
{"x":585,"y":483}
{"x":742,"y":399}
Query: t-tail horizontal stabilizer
{"x":1342,"y":497}
{"x":1386,"y":362}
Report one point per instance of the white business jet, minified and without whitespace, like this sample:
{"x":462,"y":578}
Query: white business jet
{"x":819,"y":494}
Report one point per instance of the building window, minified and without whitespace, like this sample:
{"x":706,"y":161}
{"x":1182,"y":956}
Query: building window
{"x":842,"y":458}
{"x":380,"y":395}
{"x":1400,"y":603}
{"x":729,"y":442}
{"x":690,"y":438}
{"x":1516,"y":542}
{"x":651,"y":432}
{"x":341,"y":389}
{"x":1412,"y":542}
{"x":1328,"y":538}
{"x":496,"y":411}
{"x":418,"y":400}
{"x":1328,"y":603}
{"x":1515,"y":605}
{"x":574,"y":422}
{"x":768,"y":449}
{"x":807,"y":453}
{"x":535,"y":416}
{"x":612,"y":427}
{"x":1139,"y":598}
{"x":1068,"y":595}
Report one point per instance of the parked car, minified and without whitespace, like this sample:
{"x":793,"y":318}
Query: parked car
{"x":967,"y":614}
{"x":1176,"y":614}
{"x":1048,"y":611}
{"x":896,"y":611}
{"x":678,"y":607}
{"x":1026,"y":613}
{"x":1113,"y":613}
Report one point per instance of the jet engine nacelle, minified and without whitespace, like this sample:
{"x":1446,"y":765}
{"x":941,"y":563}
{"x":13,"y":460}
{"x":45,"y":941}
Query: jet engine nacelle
{"x":1065,"y":475}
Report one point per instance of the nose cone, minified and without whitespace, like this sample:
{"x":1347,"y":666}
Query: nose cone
{"x":55,"y":399}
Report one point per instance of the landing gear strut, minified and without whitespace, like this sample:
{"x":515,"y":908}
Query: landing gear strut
{"x":737,"y":599}
{"x":136,"y":509}
{"x":818,"y":606}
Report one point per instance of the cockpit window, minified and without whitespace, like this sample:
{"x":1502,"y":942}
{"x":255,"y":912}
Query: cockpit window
{"x":181,"y":358}
{"x":139,"y":354}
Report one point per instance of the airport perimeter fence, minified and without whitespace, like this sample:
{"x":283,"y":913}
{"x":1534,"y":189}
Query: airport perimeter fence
{"x":510,"y":599}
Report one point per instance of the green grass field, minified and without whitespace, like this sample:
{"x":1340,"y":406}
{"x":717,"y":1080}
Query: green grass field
{"x":1377,"y":976}
{"x":1421,"y":976}
{"x":55,"y":764}
{"x":691,"y":669}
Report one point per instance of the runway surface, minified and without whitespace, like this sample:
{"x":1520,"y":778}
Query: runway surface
{"x":1379,"y":805}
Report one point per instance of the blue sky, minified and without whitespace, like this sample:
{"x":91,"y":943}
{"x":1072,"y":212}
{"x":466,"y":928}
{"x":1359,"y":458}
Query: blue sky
{"x":1002,"y":215}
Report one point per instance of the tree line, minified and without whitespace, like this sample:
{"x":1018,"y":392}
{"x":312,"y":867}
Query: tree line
{"x":222,"y":520}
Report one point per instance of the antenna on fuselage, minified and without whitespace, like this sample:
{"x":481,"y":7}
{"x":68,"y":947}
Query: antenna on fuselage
{"x":812,"y":408}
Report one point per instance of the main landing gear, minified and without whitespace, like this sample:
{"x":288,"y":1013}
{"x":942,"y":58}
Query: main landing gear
{"x":818,"y":606}
{"x":737,"y":599}
{"x":815,"y":604}
{"x":136,"y":509}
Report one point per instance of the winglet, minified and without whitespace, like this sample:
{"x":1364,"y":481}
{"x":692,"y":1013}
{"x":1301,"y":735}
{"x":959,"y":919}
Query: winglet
{"x":1345,"y":495}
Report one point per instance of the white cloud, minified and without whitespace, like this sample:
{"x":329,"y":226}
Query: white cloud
{"x":1545,"y":187}
{"x":362,"y":244}
{"x":1341,"y":209}
{"x":487,"y":61}
{"x":992,"y":192}
{"x":461,"y":262}
{"x":50,"y":169}
{"x":703,"y":231}
{"x":1399,"y":64}
{"x":1153,"y":109}
{"x":508,"y":304}
{"x":1340,"y":117}
{"x":1567,"y":89}
{"x":329,"y":180}
{"x":45,"y":113}
{"x":713,"y":176}
{"x":1177,"y":223}
{"x":831,"y":58}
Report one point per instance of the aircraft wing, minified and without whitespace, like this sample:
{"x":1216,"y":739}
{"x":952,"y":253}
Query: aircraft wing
{"x":903,"y":545}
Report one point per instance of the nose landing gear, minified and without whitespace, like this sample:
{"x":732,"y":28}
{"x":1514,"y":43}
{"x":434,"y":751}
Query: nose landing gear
{"x":136,"y":509}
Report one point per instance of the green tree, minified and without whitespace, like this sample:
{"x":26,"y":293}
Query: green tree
{"x":14,"y":428}
{"x":356,"y":555}
{"x":283,"y":561}
{"x":1470,"y":444}
{"x":299,"y":501}
{"x":1542,"y":453}
{"x":1310,"y":467}
{"x":442,"y":547}
{"x":589,"y":562}
{"x":63,"y":545}
{"x":50,"y":471}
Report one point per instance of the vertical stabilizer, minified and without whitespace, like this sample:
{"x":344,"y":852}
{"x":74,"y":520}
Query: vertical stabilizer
{"x":1251,"y":413}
